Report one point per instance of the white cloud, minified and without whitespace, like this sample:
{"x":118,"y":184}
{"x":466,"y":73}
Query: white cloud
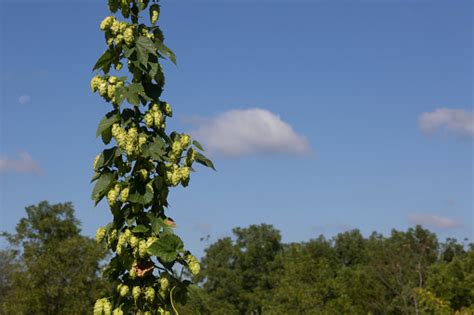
{"x":24,"y":99}
{"x":433,"y":220}
{"x":452,"y":120}
{"x":23,"y":164}
{"x":242,"y":132}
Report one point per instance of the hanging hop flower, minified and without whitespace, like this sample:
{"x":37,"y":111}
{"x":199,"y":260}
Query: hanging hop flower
{"x":124,"y":194}
{"x":142,"y":249}
{"x":107,"y":307}
{"x":133,"y":241}
{"x":136,"y":293}
{"x":150,"y":294}
{"x":123,"y":289}
{"x":117,"y":311}
{"x":107,"y":23}
{"x":113,"y":194}
{"x":185,"y":141}
{"x":167,"y":109}
{"x":154,"y":13}
{"x":128,"y":36}
{"x":98,"y":307}
{"x":100,"y":234}
{"x":193,"y":264}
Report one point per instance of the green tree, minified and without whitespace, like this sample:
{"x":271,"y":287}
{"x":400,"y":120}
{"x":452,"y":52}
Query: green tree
{"x":54,"y":268}
{"x":143,"y":163}
{"x":238,"y":273}
{"x":454,"y":281}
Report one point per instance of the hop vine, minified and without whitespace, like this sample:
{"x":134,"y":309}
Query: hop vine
{"x":144,"y":161}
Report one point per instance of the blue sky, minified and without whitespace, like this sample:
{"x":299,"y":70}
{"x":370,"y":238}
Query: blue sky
{"x":341,"y":114}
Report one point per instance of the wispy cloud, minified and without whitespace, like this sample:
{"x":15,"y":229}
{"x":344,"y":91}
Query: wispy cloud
{"x":24,"y":163}
{"x":457,"y":121}
{"x":243,"y":132}
{"x":203,"y":228}
{"x":433,"y":220}
{"x":24,"y":99}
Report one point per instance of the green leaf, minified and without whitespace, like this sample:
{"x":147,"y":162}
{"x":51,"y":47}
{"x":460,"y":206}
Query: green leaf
{"x":144,"y":46}
{"x":132,"y":93}
{"x":128,"y":51}
{"x":95,"y":177}
{"x":105,"y":61}
{"x":140,"y":229}
{"x":166,"y":51}
{"x":201,"y":159}
{"x":156,"y":225}
{"x":154,"y":150}
{"x":153,"y":90}
{"x":166,"y":247}
{"x":141,"y":195}
{"x":106,"y":157}
{"x":198,"y":145}
{"x":107,"y":122}
{"x":102,"y":185}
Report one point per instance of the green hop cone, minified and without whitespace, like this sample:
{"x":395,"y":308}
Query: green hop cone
{"x":112,"y":236}
{"x":111,"y":91}
{"x":128,"y":36}
{"x":150,"y":294}
{"x":154,"y":13}
{"x":124,"y":194}
{"x":164,"y":282}
{"x":107,"y":307}
{"x":184,"y":173}
{"x":117,"y":311}
{"x":113,"y":79}
{"x":185,"y":141}
{"x":136,"y":293}
{"x":102,"y":88}
{"x":143,"y":174}
{"x":124,"y":290}
{"x":115,"y":27}
{"x":167,"y":109}
{"x":149,"y":119}
{"x":95,"y":82}
{"x":142,"y":249}
{"x":98,"y":307}
{"x":107,"y":23}
{"x":133,"y":241}
{"x":157,"y":118}
{"x":100,"y":234}
{"x":193,"y":264}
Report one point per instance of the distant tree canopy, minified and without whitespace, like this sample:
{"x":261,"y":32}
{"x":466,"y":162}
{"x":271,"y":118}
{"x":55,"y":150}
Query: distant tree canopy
{"x":406,"y":273}
{"x":50,"y":268}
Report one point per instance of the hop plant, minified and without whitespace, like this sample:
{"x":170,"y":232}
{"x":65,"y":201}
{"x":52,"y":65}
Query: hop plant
{"x":142,"y":162}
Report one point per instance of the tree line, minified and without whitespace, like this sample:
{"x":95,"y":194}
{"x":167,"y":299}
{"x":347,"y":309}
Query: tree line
{"x":49,"y":267}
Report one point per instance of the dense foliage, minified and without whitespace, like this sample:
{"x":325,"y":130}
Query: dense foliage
{"x":406,"y":273}
{"x":136,"y":173}
{"x":50,"y":268}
